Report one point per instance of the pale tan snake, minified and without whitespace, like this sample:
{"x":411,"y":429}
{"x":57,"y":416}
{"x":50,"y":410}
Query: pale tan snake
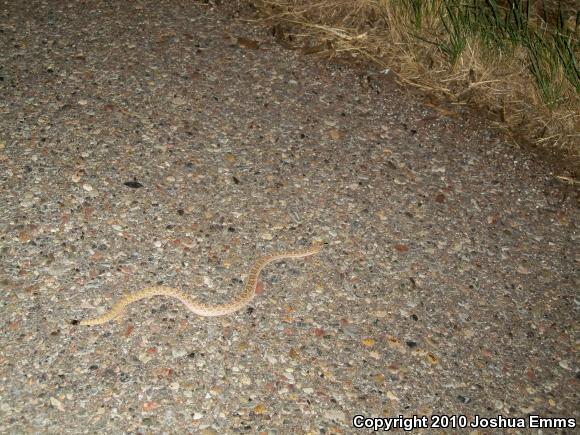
{"x":196,"y":307}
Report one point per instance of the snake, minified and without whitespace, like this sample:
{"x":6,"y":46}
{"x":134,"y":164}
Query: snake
{"x":201,"y":309}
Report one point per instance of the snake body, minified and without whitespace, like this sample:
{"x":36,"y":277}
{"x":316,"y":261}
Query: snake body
{"x":196,"y":307}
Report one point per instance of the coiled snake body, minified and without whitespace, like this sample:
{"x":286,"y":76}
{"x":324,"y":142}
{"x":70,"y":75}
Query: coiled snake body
{"x":196,"y":307}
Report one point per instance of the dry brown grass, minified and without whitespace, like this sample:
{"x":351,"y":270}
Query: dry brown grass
{"x":497,"y":83}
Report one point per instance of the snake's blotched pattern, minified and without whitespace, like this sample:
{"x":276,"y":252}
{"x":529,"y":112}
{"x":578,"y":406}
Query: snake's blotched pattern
{"x":196,"y":307}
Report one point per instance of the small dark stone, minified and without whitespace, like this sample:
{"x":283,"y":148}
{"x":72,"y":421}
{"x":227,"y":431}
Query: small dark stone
{"x":191,"y":355}
{"x":180,"y":212}
{"x":236,"y":180}
{"x":231,"y":229}
{"x":414,"y":317}
{"x":133,"y":184}
{"x":411,"y":344}
{"x":463,"y":399}
{"x":74,"y":322}
{"x":93,"y":367}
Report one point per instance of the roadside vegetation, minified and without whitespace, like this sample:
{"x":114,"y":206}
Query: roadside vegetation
{"x":515,"y":61}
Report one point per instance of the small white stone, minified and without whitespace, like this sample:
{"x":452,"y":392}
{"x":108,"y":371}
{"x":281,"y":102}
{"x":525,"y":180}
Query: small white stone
{"x":523,"y":270}
{"x":178,"y":101}
{"x":457,"y":247}
{"x":88,"y":187}
{"x":178,"y":353}
{"x":144,"y":357}
{"x":56,"y":403}
{"x":392,"y":396}
{"x":564,"y":364}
